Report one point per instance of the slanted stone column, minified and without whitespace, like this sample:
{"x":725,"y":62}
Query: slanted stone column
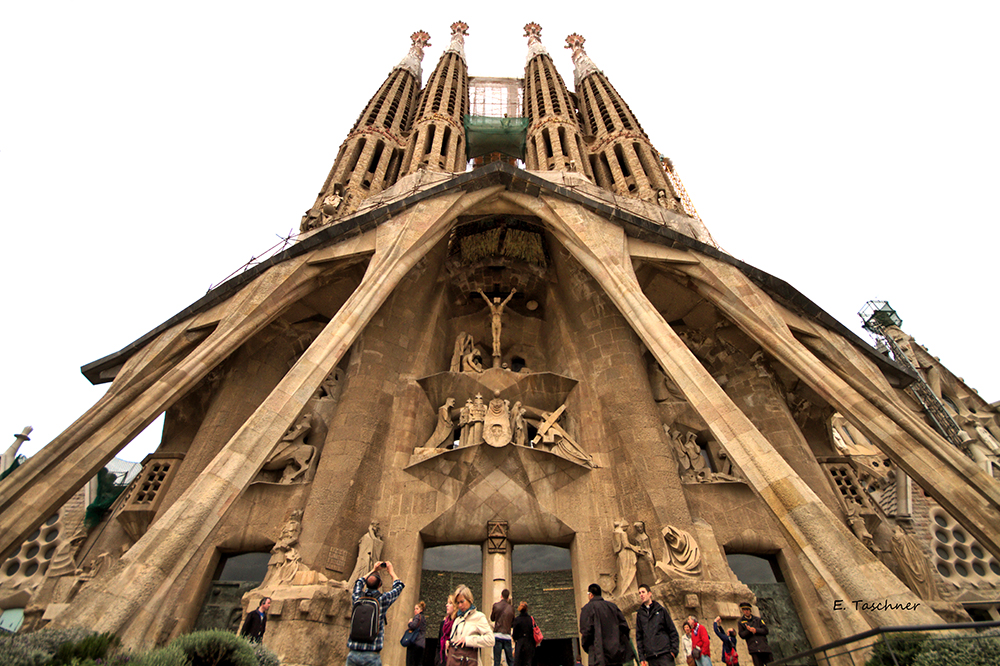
{"x":839,"y":566}
{"x":135,"y":598}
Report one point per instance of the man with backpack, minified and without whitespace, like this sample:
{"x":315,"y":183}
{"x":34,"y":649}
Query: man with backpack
{"x":367,"y":633}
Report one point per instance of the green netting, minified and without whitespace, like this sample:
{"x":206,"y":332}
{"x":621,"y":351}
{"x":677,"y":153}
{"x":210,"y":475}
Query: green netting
{"x":108,"y":491}
{"x":486,"y":134}
{"x":14,"y":465}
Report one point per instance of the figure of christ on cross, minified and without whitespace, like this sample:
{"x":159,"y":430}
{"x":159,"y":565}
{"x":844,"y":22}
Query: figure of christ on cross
{"x":496,"y":311}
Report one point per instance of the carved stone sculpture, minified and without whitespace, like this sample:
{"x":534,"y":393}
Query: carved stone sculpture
{"x":285,"y":558}
{"x":477,"y":415}
{"x":913,"y":564}
{"x":627,"y":558}
{"x":856,"y":520}
{"x":682,"y":556}
{"x":519,"y":431}
{"x":464,"y":414}
{"x":645,"y":560}
{"x":496,"y":312}
{"x":496,"y":425}
{"x":293,"y":455}
{"x":559,"y":441}
{"x":64,"y":560}
{"x":369,"y":552}
{"x":444,"y":432}
{"x":464,"y":344}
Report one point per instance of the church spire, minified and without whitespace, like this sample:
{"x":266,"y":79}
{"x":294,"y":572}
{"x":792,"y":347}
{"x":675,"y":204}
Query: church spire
{"x":554,"y":141}
{"x":370,"y":158}
{"x":437,"y":142}
{"x":621,"y":156}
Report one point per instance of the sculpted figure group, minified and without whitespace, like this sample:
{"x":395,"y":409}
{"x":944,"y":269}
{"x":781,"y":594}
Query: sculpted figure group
{"x":635,"y":557}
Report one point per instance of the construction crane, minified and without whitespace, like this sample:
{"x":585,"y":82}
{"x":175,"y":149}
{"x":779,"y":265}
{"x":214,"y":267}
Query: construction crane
{"x":878,"y":316}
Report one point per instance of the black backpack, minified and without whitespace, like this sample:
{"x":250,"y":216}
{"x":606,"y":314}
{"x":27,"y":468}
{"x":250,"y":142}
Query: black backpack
{"x":365,"y":618}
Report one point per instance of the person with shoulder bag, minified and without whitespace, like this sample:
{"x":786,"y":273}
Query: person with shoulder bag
{"x":415,"y":637}
{"x":470,"y":631}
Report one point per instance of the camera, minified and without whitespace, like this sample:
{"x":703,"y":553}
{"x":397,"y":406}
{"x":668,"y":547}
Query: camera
{"x":381,"y":565}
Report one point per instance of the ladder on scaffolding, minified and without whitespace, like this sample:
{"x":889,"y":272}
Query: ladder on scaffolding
{"x":876,"y":315}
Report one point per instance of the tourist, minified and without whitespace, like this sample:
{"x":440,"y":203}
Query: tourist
{"x":256,"y":622}
{"x":699,"y":643}
{"x":754,"y":632}
{"x":365,"y":653}
{"x":418,"y":624}
{"x":604,"y":632}
{"x":655,"y":633}
{"x":523,"y":633}
{"x":686,"y":644}
{"x":729,"y":656}
{"x":470,"y":631}
{"x":445,"y":633}
{"x":503,"y":617}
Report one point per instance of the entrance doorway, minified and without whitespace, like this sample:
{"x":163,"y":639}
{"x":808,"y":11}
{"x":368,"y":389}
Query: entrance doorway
{"x":763,"y":576}
{"x":444,"y":569}
{"x":235,"y":576}
{"x":543,"y":578}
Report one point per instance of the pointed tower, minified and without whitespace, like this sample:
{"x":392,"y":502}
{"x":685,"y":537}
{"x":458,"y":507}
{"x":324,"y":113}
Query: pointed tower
{"x":521,"y":368}
{"x":370,"y":158}
{"x":554,"y":138}
{"x":438,"y":139}
{"x":621,"y":156}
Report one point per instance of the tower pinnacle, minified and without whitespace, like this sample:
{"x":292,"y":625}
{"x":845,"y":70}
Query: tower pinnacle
{"x":584,"y":66}
{"x":459,"y":29}
{"x":411,"y":61}
{"x":533,"y":32}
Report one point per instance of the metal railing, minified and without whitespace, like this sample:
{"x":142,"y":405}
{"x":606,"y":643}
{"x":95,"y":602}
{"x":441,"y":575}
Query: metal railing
{"x":861,"y":642}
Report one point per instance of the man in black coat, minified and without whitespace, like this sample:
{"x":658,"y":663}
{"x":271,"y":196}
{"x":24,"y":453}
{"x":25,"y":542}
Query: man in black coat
{"x":604,"y":631}
{"x":753,"y":631}
{"x":655,"y":634}
{"x":256,"y":622}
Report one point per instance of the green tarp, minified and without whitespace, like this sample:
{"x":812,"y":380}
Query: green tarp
{"x":486,"y":134}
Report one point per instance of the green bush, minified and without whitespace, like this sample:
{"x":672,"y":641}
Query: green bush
{"x":905,"y":647}
{"x":215,"y":648}
{"x":264,"y":656}
{"x":978,"y":651}
{"x":38,"y":648}
{"x":87,"y":650}
{"x":168,"y":656}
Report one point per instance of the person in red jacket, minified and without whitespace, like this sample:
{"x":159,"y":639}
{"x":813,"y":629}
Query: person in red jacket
{"x":699,"y":643}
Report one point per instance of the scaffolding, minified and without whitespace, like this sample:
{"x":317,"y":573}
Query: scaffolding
{"x":878,"y":316}
{"x":495,"y":125}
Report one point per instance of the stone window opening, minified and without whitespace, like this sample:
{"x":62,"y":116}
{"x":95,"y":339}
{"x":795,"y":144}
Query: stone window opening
{"x":429,"y":140}
{"x":369,"y":176}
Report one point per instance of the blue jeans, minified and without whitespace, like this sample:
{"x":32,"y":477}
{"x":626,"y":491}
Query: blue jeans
{"x":703,"y":660}
{"x":358,"y":658}
{"x":505,"y":646}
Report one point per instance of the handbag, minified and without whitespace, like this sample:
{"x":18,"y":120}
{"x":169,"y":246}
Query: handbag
{"x":409,"y":638}
{"x":462,"y":656}
{"x":536,"y":633}
{"x":691,"y":661}
{"x":696,"y":652}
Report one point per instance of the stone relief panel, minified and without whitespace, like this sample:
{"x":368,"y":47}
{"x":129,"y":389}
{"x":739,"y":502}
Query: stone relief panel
{"x":636,"y":561}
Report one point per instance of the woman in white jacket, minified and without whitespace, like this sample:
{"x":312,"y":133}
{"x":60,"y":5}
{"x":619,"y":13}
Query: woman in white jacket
{"x":470,"y":631}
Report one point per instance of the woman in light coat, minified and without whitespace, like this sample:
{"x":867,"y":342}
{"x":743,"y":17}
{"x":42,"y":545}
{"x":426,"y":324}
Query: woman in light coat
{"x":471,"y":630}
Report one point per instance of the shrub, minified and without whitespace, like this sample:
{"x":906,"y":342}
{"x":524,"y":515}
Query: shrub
{"x":215,"y":648}
{"x":168,"y":656}
{"x":264,"y":656}
{"x":88,"y":649}
{"x":905,"y":647}
{"x":38,"y":648}
{"x":978,"y":651}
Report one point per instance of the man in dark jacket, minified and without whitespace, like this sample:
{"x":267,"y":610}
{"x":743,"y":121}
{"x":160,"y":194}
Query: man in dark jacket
{"x":753,"y":631}
{"x":256,"y":622}
{"x":503,"y":617}
{"x":604,"y":631}
{"x":655,"y":634}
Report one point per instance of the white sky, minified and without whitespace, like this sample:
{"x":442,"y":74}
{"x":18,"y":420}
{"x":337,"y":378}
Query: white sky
{"x":148,"y":150}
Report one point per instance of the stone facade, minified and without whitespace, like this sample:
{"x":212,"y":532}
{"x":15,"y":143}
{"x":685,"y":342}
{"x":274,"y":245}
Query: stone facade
{"x":625,"y":390}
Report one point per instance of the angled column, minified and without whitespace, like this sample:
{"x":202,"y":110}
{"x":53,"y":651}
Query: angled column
{"x":840,"y":567}
{"x":134,"y":599}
